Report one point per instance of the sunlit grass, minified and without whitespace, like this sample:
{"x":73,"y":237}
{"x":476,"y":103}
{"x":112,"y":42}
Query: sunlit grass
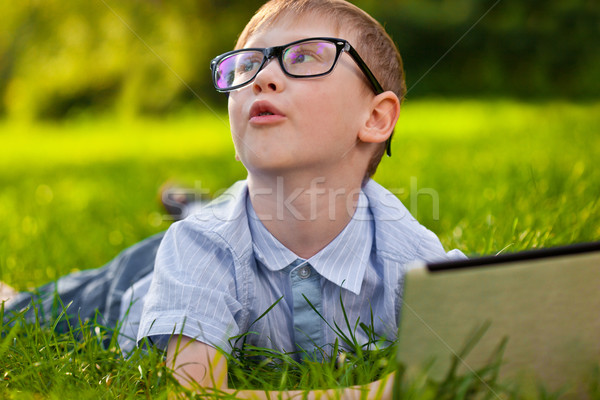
{"x":109,"y":140}
{"x":504,"y":173}
{"x":79,"y":191}
{"x":486,"y":176}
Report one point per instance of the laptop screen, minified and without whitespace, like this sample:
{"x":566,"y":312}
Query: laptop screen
{"x":538,"y":311}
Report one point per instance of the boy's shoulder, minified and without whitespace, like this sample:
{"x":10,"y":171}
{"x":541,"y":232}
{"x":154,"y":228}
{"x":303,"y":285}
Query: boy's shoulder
{"x":229,"y":208}
{"x":223,"y":221}
{"x":399,"y":236}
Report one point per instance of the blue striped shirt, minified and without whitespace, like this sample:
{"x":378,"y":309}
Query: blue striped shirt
{"x":219,"y":270}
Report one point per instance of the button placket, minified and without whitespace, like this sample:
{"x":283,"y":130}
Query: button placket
{"x":308,"y":334}
{"x":304,"y":272}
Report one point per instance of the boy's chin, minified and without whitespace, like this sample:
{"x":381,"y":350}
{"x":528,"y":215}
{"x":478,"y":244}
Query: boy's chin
{"x":269,"y":169}
{"x":268,"y":162}
{"x":295,"y":167}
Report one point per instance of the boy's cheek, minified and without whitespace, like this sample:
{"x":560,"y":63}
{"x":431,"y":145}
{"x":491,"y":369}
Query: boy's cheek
{"x":235,"y":112}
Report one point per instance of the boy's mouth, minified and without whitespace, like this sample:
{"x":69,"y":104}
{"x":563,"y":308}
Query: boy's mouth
{"x":263,"y":108}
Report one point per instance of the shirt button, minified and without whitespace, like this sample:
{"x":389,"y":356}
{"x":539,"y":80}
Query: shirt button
{"x":304,"y":272}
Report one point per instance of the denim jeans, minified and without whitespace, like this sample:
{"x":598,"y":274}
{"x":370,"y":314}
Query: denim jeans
{"x":88,"y":295}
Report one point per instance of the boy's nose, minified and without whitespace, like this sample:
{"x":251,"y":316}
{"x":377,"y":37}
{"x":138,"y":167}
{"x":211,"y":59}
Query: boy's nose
{"x":269,"y":78}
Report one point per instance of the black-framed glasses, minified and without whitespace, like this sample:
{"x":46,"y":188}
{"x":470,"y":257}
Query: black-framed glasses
{"x":306,"y":58}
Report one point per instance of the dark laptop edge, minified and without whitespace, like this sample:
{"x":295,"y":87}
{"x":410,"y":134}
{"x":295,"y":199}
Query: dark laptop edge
{"x":510,"y":257}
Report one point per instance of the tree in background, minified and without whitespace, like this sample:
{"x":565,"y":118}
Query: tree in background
{"x":59,"y":58}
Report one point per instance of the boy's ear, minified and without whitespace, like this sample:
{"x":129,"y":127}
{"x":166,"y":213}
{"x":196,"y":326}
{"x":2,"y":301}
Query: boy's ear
{"x":385,"y":110}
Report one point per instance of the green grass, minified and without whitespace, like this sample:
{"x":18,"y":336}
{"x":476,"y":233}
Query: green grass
{"x":486,"y":176}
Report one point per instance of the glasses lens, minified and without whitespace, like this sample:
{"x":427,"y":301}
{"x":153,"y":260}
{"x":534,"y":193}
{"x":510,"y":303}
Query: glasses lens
{"x":309,"y":58}
{"x":237,"y":69}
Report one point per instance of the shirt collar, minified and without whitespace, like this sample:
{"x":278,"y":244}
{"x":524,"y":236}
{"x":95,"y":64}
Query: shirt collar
{"x":343,"y":261}
{"x":267,"y":249}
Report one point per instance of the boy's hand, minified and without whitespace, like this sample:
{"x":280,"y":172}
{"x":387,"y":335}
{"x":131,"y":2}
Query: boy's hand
{"x":197,"y":365}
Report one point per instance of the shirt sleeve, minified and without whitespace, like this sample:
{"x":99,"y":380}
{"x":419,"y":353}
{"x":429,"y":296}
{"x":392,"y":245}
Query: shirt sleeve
{"x":431,"y":249}
{"x":193,"y":290}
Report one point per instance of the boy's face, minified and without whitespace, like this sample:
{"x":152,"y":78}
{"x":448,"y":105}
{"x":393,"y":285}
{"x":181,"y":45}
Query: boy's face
{"x":315,"y":121}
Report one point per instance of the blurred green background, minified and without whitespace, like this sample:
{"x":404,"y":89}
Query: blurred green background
{"x":101,"y":102}
{"x":62,"y":58}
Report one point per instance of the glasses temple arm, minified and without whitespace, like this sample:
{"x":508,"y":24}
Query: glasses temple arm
{"x":374,"y":83}
{"x":364,"y":68}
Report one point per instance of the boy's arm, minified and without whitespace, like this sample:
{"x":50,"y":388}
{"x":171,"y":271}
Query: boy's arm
{"x":195,"y":363}
{"x":198,"y":364}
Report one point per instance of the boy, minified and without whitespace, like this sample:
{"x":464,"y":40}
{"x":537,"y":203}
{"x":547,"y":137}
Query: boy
{"x":310,"y":122}
{"x":311,"y":117}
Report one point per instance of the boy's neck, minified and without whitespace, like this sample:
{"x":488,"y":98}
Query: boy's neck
{"x":304,"y":213}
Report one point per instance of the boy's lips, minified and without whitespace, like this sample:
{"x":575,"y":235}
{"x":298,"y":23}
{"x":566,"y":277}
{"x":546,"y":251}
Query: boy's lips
{"x":263,"y":112}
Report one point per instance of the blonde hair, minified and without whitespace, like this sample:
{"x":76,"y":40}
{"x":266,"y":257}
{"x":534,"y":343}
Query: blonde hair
{"x":373,"y":43}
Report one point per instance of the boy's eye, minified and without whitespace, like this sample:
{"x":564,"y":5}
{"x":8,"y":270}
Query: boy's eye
{"x":309,"y":58}
{"x":298,"y":58}
{"x":306,"y":52}
{"x":247,"y":64}
{"x":236,"y":68}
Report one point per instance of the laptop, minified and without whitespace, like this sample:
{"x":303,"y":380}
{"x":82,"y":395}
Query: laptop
{"x":534,"y":314}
